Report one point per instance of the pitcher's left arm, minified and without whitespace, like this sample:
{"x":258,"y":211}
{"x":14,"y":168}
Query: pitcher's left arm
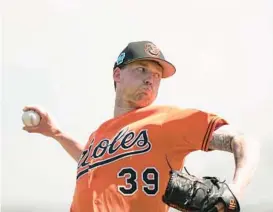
{"x":246,"y":152}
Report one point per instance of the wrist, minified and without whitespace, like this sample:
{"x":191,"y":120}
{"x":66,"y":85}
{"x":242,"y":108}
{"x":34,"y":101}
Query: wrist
{"x":237,"y":190}
{"x":56,"y":133}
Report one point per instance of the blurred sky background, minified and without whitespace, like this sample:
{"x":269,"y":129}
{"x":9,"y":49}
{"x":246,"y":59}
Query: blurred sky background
{"x":59,"y":54}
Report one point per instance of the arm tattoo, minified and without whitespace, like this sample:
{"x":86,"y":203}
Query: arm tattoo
{"x":223,"y":139}
{"x":239,"y":155}
{"x":221,"y":142}
{"x":245,"y":151}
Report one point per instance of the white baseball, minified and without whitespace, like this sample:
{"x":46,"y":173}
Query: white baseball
{"x":30,"y":118}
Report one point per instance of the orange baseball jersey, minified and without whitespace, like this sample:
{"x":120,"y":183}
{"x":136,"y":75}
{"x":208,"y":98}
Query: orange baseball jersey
{"x":124,"y":168}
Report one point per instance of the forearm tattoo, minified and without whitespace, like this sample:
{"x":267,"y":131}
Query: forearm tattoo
{"x":239,"y":154}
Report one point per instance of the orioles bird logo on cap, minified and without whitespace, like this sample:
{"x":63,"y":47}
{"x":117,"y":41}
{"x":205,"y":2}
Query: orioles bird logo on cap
{"x":152,"y":49}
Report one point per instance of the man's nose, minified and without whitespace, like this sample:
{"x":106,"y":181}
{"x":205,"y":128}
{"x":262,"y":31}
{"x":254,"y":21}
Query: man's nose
{"x":149,"y":79}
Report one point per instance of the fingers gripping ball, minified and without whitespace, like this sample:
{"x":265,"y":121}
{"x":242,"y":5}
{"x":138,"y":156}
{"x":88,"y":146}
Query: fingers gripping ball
{"x":30,"y":118}
{"x":186,"y":192}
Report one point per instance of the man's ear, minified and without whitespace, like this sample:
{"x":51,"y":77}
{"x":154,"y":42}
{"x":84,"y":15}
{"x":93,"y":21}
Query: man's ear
{"x":116,"y":74}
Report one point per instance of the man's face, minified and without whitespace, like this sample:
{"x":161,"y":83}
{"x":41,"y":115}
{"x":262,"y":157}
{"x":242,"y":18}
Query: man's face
{"x":138,"y":82}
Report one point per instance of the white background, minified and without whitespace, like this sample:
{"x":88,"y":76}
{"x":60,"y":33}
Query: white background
{"x":59,"y":54}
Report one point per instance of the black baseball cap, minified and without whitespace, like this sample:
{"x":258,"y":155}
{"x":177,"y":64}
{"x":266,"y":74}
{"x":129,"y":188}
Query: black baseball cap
{"x":144,"y":50}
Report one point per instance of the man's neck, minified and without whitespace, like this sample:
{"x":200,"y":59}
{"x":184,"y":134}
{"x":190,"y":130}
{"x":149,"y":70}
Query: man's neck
{"x":118,"y":111}
{"x":122,"y":107}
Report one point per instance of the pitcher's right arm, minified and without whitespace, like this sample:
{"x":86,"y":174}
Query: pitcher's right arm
{"x":72,"y":147}
{"x":47,"y":128}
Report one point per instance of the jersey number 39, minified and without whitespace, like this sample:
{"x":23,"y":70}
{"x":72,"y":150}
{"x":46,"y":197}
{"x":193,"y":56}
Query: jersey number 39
{"x":150,"y":178}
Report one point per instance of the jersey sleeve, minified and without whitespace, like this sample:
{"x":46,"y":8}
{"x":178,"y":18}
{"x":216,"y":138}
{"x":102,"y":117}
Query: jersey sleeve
{"x":191,"y":129}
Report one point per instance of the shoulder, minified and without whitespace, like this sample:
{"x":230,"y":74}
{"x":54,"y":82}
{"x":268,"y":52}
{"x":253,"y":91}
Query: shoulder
{"x":172,"y":109}
{"x":189,"y":116}
{"x":188,"y":113}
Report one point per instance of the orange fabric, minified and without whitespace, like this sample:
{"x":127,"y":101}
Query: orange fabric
{"x":124,"y":166}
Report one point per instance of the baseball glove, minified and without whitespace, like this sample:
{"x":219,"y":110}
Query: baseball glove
{"x":186,"y":192}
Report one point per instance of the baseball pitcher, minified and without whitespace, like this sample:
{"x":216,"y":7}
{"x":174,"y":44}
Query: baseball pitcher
{"x":131,"y":162}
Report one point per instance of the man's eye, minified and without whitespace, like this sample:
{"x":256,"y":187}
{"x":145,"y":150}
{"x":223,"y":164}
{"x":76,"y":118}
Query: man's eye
{"x":141,"y":70}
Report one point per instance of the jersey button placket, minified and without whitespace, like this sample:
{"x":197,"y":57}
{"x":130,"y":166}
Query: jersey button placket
{"x":92,"y":178}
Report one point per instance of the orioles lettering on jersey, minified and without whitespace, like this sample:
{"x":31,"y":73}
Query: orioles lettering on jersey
{"x":121,"y":144}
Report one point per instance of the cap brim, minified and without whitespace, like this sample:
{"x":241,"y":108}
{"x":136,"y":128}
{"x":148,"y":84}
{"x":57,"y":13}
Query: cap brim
{"x":168,"y":68}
